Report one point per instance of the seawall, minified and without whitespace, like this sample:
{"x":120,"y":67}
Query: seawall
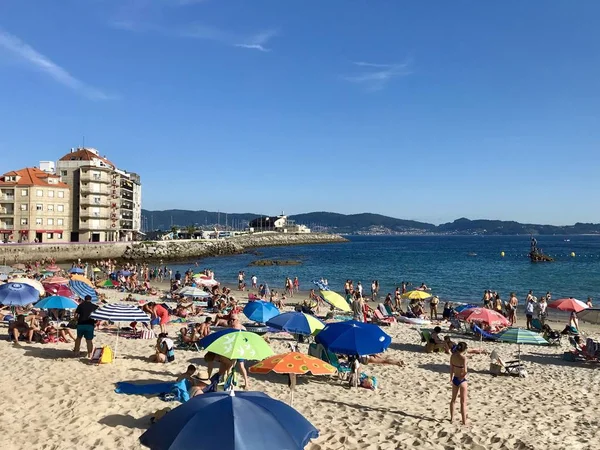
{"x":157,"y":250}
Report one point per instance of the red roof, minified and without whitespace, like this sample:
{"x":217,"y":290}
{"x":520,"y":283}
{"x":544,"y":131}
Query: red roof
{"x":84,"y":154}
{"x":31,"y":176}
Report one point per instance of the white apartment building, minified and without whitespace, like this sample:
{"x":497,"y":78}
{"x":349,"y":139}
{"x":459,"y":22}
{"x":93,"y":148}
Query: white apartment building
{"x":106,"y":201}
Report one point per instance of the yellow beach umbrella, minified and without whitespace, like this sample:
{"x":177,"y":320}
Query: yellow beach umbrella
{"x":77,"y":277}
{"x":335,"y":300}
{"x":416,"y":295}
{"x":31,"y":282}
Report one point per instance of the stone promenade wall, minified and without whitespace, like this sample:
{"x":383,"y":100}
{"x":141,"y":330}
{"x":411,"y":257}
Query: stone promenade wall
{"x":155,"y":250}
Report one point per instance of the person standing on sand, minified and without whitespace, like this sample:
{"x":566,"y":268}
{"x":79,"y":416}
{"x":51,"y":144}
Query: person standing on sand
{"x":433,"y":305}
{"x":514,"y":303}
{"x":458,"y":378}
{"x":542,"y":313}
{"x":358,"y":308}
{"x":296,"y":284}
{"x":373,"y":291}
{"x":254,"y":281}
{"x":85,"y":325}
{"x":529,"y":309}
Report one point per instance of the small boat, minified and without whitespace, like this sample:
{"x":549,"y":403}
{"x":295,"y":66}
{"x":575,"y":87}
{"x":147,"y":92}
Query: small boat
{"x":567,"y":240}
{"x":472,"y":254}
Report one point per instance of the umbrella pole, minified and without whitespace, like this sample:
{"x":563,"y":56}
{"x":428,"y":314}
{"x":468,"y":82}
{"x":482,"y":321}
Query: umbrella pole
{"x":292,"y":387}
{"x":116,"y":343}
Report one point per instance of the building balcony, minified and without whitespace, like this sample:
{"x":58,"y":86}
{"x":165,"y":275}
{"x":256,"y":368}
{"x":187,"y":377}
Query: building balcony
{"x":127,"y":205}
{"x":97,"y":178}
{"x":6,"y":226}
{"x":92,"y":202}
{"x":6,"y":211}
{"x":86,"y":190}
{"x":7,"y":198}
{"x":94,"y":215}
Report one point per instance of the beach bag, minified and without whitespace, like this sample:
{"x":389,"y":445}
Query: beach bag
{"x":147,"y":334}
{"x":103,"y":355}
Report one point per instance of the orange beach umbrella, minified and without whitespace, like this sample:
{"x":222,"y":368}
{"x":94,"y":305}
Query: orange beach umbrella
{"x":77,"y":277}
{"x":293,"y":363}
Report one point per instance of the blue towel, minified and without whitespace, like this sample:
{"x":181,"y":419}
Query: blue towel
{"x":179,"y":389}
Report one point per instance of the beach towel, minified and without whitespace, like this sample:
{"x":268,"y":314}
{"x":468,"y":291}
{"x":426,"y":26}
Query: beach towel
{"x":179,"y":390}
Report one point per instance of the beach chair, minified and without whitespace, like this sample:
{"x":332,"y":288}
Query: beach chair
{"x":180,"y":344}
{"x":459,"y":326}
{"x":318,"y":351}
{"x":484,"y":334}
{"x":498,"y":366}
{"x":552,"y":336}
{"x":380,"y":319}
{"x":536,"y":325}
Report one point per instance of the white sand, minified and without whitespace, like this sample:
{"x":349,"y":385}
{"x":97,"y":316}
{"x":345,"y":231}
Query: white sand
{"x":51,"y":400}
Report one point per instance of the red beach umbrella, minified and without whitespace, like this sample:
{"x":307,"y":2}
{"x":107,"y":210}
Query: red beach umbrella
{"x":56,"y":280}
{"x":58,"y":289}
{"x":53,"y":268}
{"x":568,"y":304}
{"x":483,"y":315}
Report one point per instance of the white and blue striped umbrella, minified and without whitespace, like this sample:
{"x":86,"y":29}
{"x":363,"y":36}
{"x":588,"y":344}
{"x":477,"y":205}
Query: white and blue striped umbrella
{"x":18,"y":294}
{"x":82,"y":289}
{"x":78,"y":270}
{"x":120,"y":312}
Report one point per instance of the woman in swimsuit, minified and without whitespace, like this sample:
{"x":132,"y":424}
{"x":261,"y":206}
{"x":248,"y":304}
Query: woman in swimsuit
{"x":458,"y":377}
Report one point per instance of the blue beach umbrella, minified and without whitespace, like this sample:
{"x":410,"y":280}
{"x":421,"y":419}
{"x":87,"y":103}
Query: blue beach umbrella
{"x":212,"y":337}
{"x":354,"y":338}
{"x":260,"y":311}
{"x":18,"y":294}
{"x":77,"y":270}
{"x":56,"y":302}
{"x":321,"y":285}
{"x":82,"y":289}
{"x":237,"y":421}
{"x":461,"y":308}
{"x":296,"y":323}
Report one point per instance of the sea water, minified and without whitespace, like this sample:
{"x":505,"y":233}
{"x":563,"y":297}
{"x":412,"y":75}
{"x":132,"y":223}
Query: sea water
{"x":456,"y":268}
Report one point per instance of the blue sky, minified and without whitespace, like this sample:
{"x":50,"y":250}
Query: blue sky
{"x":420,"y":110}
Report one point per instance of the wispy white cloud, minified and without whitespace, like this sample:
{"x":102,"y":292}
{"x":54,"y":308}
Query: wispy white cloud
{"x":258,"y":41}
{"x":42,"y":63}
{"x":375,"y":77}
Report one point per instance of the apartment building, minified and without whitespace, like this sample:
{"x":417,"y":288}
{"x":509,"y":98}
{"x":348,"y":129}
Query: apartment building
{"x":34,"y":206}
{"x":106,"y":201}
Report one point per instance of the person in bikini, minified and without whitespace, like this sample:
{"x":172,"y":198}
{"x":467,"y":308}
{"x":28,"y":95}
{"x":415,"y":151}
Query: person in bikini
{"x":458,"y":378}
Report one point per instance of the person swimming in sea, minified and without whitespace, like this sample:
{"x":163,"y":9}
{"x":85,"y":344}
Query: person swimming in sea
{"x":458,"y":378}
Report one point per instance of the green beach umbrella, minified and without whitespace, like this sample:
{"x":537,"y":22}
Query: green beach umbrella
{"x":242,"y":345}
{"x":108,"y":283}
{"x":520,"y":336}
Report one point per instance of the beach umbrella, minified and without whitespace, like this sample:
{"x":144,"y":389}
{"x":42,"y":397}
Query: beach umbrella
{"x":53,"y":268}
{"x":242,"y":345}
{"x":58,"y":289}
{"x":521,"y":336}
{"x":568,"y":304}
{"x":56,"y":302}
{"x":82,"y":289}
{"x":120,"y":312}
{"x":46,"y":273}
{"x":18,"y":294}
{"x":125,"y":273}
{"x":202,"y":275}
{"x":189,"y":291}
{"x":237,"y":421}
{"x":296,"y":323}
{"x":57,"y":280}
{"x":97,"y":269}
{"x":77,"y":270}
{"x":335,"y":300}
{"x":322,"y":286}
{"x":260,"y":311}
{"x":483,"y":315}
{"x":209,"y":283}
{"x":31,"y":282}
{"x":77,"y":277}
{"x":293,"y":363}
{"x":590,"y":315}
{"x":212,"y":337}
{"x":461,"y":308}
{"x":416,"y":295}
{"x":107,"y":284}
{"x":353,"y":338}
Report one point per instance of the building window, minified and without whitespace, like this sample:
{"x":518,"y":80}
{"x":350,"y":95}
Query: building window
{"x":60,"y":222}
{"x":50,"y":221}
{"x":63,"y":173}
{"x":60,"y":208}
{"x":61,"y":194}
{"x":50,"y":235}
{"x":97,"y":200}
{"x":38,"y":221}
{"x":23,"y":221}
{"x":24,"y":192}
{"x":50,"y":193}
{"x":39,"y":193}
{"x":39,"y":207}
{"x":23,"y":206}
{"x":58,"y":235}
{"x":50,"y":207}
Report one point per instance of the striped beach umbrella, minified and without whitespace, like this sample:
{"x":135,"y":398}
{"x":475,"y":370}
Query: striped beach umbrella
{"x":190,"y":291}
{"x":521,"y":336}
{"x":31,"y":282}
{"x":120,"y":312}
{"x":53,"y":268}
{"x":78,"y":270}
{"x":82,"y":289}
{"x":77,"y":277}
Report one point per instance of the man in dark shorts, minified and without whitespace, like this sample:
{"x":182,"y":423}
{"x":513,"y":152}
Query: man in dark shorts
{"x":85,"y":325}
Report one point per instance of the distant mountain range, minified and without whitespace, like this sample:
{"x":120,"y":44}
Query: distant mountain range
{"x":365,"y":223}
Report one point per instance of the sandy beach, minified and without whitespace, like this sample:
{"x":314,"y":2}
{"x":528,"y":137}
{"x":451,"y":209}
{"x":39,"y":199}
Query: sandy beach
{"x":53,"y":400}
